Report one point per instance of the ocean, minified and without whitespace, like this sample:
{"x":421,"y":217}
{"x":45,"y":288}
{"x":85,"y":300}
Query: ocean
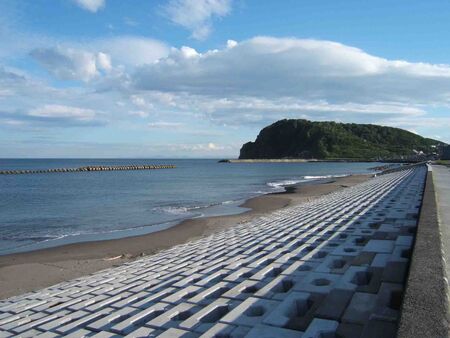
{"x":45,"y":210}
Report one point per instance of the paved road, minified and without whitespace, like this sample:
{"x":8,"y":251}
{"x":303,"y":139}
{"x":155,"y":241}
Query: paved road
{"x":332,"y":266}
{"x":441,"y":179}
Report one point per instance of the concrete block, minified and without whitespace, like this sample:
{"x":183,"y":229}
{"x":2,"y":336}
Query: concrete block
{"x":130,"y":324}
{"x":321,"y":328}
{"x":317,"y":282}
{"x":226,"y":331}
{"x":334,"y":304}
{"x":250,"y":312}
{"x":211,"y":294}
{"x":360,"y":308}
{"x":243,"y":290}
{"x":395,"y":272}
{"x":183,"y":294}
{"x":278,"y":288}
{"x":177,"y":333}
{"x":82,"y":322}
{"x":265,"y":331}
{"x":173,"y":317}
{"x":106,"y":322}
{"x":300,"y":268}
{"x":346,"y":330}
{"x":292,"y":311}
{"x":143,"y":332}
{"x":376,"y":328}
{"x":207,"y":317}
{"x":379,"y":246}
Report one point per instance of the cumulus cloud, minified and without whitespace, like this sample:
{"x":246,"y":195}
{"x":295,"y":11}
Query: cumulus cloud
{"x":197,"y":15}
{"x":72,"y":64}
{"x":267,"y":67}
{"x":131,"y":50}
{"x":91,"y":5}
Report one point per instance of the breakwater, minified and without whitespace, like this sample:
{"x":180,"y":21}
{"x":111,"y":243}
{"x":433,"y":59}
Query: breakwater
{"x":88,"y":168}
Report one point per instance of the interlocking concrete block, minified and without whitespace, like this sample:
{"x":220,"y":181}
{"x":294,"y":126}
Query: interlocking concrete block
{"x":389,"y":301}
{"x":395,"y":272}
{"x":334,"y":264}
{"x":82,"y":322}
{"x":183,"y":294}
{"x":278,"y":288}
{"x":115,"y":316}
{"x":334,"y":304}
{"x":317,"y":282}
{"x":211,"y":294}
{"x":226,"y":330}
{"x":321,"y":328}
{"x":207,"y":317}
{"x":292,"y":309}
{"x":360,"y":308}
{"x":379,"y":246}
{"x":250,"y":312}
{"x":265,"y":331}
{"x":173,"y":317}
{"x":80,"y":333}
{"x":106,"y":334}
{"x":299,"y":268}
{"x":130,"y":324}
{"x":245,"y":289}
{"x":347,"y":330}
{"x":59,"y":319}
{"x":240,"y":274}
{"x":376,"y":328}
{"x":270,"y":271}
{"x":143,"y":332}
{"x":177,"y":333}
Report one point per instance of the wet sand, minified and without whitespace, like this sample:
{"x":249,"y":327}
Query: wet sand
{"x":24,"y":272}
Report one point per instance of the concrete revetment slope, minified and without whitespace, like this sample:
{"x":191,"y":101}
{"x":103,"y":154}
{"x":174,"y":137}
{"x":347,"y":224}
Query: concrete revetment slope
{"x":334,"y":266}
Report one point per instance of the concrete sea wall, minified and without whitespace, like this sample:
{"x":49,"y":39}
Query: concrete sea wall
{"x":334,"y":266}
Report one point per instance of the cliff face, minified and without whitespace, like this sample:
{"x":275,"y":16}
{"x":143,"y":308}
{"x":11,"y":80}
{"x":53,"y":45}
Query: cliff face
{"x":329,"y":140}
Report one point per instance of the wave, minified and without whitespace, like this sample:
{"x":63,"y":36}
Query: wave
{"x":324,"y":176}
{"x":180,"y":210}
{"x":285,"y":183}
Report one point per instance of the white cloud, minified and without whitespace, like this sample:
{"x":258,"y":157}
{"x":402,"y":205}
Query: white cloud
{"x":131,"y":50}
{"x":197,"y":15}
{"x":72,"y":64}
{"x":104,"y":61}
{"x":309,"y":70}
{"x":139,"y":113}
{"x":55,"y":111}
{"x":91,"y":5}
{"x":164,"y":125}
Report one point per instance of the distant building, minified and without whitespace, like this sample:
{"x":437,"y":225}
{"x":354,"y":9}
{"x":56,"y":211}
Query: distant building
{"x":446,"y":153}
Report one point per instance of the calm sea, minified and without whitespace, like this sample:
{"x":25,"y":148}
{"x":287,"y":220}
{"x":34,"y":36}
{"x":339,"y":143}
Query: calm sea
{"x":43,"y":210}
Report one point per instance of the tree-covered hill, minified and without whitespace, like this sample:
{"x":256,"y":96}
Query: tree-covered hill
{"x":331,"y":140}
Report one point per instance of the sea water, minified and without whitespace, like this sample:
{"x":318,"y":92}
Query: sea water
{"x":43,"y":210}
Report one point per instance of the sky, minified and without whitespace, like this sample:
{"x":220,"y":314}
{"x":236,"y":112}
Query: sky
{"x":198,"y":78}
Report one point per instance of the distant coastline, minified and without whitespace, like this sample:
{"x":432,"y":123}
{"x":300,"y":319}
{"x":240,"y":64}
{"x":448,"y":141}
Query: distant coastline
{"x":303,"y":160}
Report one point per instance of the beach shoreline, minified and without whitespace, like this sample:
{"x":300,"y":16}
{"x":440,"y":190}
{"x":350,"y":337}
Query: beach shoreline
{"x":46,"y":267}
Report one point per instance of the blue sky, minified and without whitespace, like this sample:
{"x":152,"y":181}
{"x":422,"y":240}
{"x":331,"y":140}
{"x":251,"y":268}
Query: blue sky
{"x":198,"y":78}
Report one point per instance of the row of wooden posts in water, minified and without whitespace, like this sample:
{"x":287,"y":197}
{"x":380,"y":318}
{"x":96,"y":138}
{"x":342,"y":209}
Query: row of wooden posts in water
{"x":89,"y":168}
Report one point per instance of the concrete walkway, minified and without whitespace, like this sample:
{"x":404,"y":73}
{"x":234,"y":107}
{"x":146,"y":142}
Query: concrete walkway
{"x":441,"y":178}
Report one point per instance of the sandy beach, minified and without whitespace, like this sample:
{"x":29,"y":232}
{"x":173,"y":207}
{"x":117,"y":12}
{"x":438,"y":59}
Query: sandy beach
{"x":24,"y":272}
